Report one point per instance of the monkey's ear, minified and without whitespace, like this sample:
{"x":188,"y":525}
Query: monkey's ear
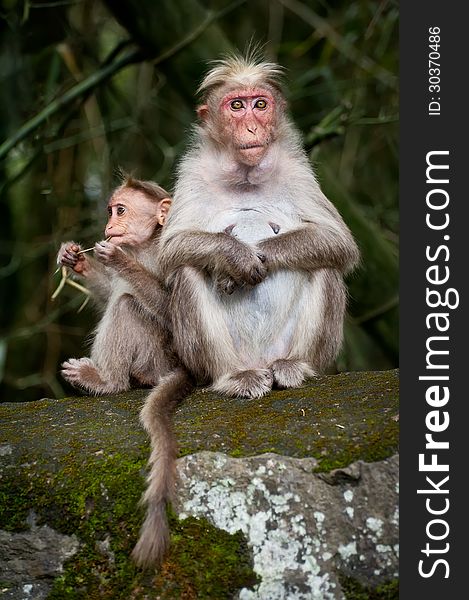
{"x":202,"y":112}
{"x":164,"y":206}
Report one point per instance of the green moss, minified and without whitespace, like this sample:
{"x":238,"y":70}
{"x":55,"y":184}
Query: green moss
{"x":353,"y":590}
{"x":92,"y":500}
{"x":204,"y":562}
{"x":337,"y":419}
{"x":79,"y":463}
{"x":97,"y":501}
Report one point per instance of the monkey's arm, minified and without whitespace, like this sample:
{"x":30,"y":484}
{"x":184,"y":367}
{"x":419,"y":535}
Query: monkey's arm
{"x":98,"y":281}
{"x":146,"y":287}
{"x":96,"y":276}
{"x":311,"y":247}
{"x":219,"y":252}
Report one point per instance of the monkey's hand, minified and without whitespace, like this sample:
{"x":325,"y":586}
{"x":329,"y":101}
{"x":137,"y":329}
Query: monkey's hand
{"x":243,"y":265}
{"x":224,"y":284}
{"x":110,"y":255}
{"x":69,"y":256}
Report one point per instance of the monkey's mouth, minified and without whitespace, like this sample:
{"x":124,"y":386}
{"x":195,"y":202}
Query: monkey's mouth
{"x":249,"y":146}
{"x":116,"y":239}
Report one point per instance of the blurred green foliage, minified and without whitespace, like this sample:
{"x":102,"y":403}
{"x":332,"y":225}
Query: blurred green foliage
{"x":88,"y":86}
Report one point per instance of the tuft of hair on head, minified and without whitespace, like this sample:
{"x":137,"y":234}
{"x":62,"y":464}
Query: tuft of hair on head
{"x":121,"y":174}
{"x":149,"y":188}
{"x":240,"y":70}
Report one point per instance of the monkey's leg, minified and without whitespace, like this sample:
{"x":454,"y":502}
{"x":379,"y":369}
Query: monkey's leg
{"x":82,"y":373}
{"x":319,"y":331}
{"x":252,"y":383}
{"x":154,"y":356}
{"x":204,"y":341}
{"x":303,"y":345}
{"x":121,"y":341}
{"x":330,"y":333}
{"x":128,"y":343}
{"x":307,"y":342}
{"x":201,"y":336}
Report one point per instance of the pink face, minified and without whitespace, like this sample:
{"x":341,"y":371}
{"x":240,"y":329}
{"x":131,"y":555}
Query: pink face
{"x":133,"y":217}
{"x":248,"y":118}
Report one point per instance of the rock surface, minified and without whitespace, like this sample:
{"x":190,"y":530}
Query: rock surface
{"x":272,"y":519}
{"x":31,"y":559}
{"x":303,"y":529}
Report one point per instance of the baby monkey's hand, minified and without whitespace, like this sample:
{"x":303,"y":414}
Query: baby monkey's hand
{"x":69,"y":255}
{"x":109,"y":254}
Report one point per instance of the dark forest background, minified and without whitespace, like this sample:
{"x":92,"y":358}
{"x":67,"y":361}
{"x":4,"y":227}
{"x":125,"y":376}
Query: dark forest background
{"x":87,"y":86}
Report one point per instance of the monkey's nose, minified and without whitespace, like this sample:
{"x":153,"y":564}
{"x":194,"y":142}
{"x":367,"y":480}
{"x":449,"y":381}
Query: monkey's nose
{"x":251,"y":128}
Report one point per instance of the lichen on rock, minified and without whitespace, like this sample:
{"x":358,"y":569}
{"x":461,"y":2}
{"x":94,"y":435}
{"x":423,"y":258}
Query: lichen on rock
{"x":297,"y":525}
{"x":306,"y":478}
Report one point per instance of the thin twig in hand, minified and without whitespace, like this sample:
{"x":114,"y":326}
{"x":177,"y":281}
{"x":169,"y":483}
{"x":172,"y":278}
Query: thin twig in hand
{"x":89,"y":249}
{"x":61,"y":284}
{"x":66,"y":279}
{"x":87,"y":299}
{"x":78,"y":286}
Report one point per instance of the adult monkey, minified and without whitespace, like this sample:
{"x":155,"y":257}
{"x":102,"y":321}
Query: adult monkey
{"x":254,"y":255}
{"x":253,"y":251}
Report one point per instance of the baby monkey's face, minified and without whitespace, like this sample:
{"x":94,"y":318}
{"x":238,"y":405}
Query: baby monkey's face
{"x":134,"y":217}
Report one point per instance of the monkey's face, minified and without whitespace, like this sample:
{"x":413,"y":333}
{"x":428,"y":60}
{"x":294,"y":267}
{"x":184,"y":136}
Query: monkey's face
{"x":246,"y":122}
{"x":134,"y":217}
{"x":248,"y":117}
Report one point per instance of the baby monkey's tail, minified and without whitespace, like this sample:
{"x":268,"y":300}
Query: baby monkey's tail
{"x":156,"y":416}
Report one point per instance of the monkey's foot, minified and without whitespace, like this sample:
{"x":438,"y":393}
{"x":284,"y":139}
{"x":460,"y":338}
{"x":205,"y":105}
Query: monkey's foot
{"x":253,"y":383}
{"x":82,"y":373}
{"x":288,"y":373}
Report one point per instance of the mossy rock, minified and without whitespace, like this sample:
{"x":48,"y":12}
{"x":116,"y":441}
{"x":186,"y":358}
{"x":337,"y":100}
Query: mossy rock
{"x":79,"y":463}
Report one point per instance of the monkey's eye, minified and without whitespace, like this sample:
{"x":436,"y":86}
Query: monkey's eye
{"x":109,"y":211}
{"x":120,"y":210}
{"x":236,"y":105}
{"x":262,"y":104}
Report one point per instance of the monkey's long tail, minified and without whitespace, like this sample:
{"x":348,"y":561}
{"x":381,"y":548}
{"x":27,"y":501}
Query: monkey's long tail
{"x":156,"y":416}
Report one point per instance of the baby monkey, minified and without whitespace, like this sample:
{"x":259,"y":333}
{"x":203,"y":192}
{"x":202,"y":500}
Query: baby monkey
{"x":133,"y":340}
{"x":132,"y":343}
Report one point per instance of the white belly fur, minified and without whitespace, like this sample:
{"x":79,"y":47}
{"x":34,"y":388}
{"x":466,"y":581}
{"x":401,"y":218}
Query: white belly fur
{"x":276,"y":318}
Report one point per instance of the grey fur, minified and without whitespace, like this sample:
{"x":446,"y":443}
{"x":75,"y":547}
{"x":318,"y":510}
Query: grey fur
{"x":131,"y":339}
{"x":252,"y":304}
{"x":254,"y":258}
{"x":174,"y":384}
